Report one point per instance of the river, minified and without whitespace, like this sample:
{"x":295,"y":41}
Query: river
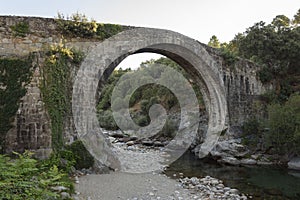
{"x":260,"y":182}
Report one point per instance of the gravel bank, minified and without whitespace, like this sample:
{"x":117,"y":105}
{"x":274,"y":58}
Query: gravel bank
{"x":123,"y":186}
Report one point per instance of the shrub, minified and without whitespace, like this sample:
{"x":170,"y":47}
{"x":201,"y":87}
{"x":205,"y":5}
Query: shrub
{"x":78,"y":25}
{"x":108,"y":30}
{"x":83,"y":158}
{"x":169,"y":129}
{"x":252,"y":131}
{"x":284,"y":124}
{"x":25,"y":178}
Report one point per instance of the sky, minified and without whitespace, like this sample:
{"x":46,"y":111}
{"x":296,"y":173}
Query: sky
{"x":198,"y":19}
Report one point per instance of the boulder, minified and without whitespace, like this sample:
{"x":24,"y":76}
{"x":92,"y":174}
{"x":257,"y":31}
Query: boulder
{"x":228,"y":148}
{"x":294,"y":163}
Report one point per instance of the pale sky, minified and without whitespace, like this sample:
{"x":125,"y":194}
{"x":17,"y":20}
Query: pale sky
{"x":199,"y":19}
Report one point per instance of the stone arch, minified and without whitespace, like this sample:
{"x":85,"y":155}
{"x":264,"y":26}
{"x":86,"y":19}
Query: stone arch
{"x":187,"y":52}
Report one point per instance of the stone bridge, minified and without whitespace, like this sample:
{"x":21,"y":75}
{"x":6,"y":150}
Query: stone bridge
{"x":229,"y":92}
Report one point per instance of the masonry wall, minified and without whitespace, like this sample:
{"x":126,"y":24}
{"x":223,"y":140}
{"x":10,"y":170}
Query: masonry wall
{"x":32,"y":125}
{"x":243,"y":88}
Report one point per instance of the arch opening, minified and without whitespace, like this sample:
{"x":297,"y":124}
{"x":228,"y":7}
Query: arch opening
{"x":187,"y":52}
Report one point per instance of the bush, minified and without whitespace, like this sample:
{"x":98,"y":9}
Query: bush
{"x":252,"y":131}
{"x":284,"y":124}
{"x":108,"y":30}
{"x":78,"y":25}
{"x":169,"y":129}
{"x":25,"y":178}
{"x":106,"y":120}
{"x":82,"y":157}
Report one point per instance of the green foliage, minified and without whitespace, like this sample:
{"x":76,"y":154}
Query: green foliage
{"x":24,"y":178}
{"x":227,"y":51}
{"x":229,"y":56}
{"x":169,"y":129}
{"x":73,"y":155}
{"x":78,"y":25}
{"x":252,"y":131}
{"x":275,"y":47}
{"x":107,"y":30}
{"x":63,"y":159}
{"x":82,"y":157}
{"x":56,"y":87}
{"x":14,"y":75}
{"x":284,"y":124}
{"x":214,"y":42}
{"x":144,"y":97}
{"x":106,"y":120}
{"x":21,"y":29}
{"x":296,"y":20}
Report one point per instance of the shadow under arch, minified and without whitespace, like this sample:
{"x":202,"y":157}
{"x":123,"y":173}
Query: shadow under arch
{"x":102,"y":60}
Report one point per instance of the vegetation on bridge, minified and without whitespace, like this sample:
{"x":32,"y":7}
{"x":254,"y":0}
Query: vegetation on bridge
{"x":78,"y":25}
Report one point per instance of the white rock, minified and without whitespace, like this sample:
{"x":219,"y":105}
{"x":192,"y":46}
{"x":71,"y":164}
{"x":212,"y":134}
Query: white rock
{"x":230,"y":160}
{"x":248,"y":161}
{"x":294,"y":163}
{"x":65,"y":195}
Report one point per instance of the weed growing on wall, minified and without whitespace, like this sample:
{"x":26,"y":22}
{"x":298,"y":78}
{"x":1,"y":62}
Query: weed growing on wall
{"x":78,"y":25}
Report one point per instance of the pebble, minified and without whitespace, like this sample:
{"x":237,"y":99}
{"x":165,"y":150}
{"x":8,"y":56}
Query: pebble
{"x":65,"y":195}
{"x":210,"y":188}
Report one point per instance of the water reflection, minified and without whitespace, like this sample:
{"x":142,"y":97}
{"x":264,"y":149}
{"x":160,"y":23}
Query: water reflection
{"x":260,"y":182}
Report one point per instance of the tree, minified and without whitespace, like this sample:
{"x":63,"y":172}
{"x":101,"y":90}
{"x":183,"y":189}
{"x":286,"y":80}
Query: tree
{"x":296,"y":20}
{"x":281,"y":21}
{"x":214,"y":42}
{"x":276,"y":47}
{"x":284,"y":124}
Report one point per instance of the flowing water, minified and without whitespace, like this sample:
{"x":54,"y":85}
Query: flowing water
{"x":257,"y":181}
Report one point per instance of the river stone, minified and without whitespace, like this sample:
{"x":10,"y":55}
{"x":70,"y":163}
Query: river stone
{"x":158,"y":144}
{"x":147,"y":142}
{"x":130,"y":143}
{"x":233,"y":191}
{"x":294,"y":163}
{"x":65,"y":195}
{"x":116,"y":134}
{"x":59,"y":188}
{"x":230,"y":160}
{"x":248,"y":161}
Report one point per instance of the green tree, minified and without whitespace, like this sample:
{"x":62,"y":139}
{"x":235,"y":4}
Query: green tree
{"x":276,"y":47}
{"x":214,"y":42}
{"x":284,"y":124}
{"x":296,"y":20}
{"x":281,"y":21}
